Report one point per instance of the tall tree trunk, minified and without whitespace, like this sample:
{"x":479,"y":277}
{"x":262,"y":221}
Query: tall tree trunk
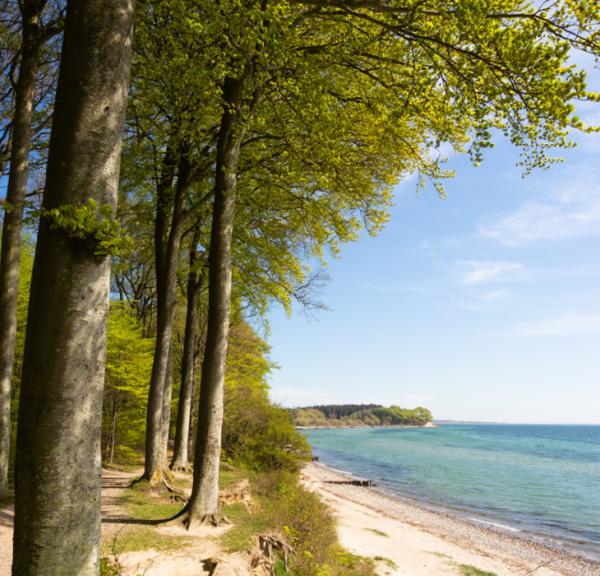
{"x":167,"y":243}
{"x":203,"y":505}
{"x":165,"y":423}
{"x":57,"y":506}
{"x":13,"y":216}
{"x":188,"y":360}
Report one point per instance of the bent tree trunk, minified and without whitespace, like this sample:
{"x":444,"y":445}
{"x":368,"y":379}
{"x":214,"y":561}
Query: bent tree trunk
{"x":203,"y":505}
{"x":57,"y":506}
{"x":190,"y":345}
{"x":167,"y":243}
{"x":13,"y":217}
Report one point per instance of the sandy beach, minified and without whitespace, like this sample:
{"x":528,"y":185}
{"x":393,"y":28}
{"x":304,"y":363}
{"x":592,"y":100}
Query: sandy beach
{"x":413,"y":540}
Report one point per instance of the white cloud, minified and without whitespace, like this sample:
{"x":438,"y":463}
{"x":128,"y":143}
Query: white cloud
{"x":480,"y":272}
{"x":495,"y":295}
{"x":572,"y":209}
{"x":563,"y":325}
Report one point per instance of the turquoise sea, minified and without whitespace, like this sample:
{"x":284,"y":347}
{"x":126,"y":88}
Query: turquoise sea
{"x":540,"y":479}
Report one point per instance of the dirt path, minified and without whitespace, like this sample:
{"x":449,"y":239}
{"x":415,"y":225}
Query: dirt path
{"x":189,"y":560}
{"x":7,"y":515}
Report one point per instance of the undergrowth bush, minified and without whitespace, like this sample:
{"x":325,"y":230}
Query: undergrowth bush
{"x":308,"y":527}
{"x":259,"y":435}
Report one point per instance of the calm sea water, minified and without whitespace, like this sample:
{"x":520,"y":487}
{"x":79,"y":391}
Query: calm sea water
{"x":539,"y":479}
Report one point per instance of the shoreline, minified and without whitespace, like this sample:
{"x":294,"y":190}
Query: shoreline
{"x":429,"y":425}
{"x":422,"y":540}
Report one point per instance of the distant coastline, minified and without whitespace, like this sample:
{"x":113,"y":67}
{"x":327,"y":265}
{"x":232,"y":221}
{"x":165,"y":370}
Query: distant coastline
{"x":360,"y":415}
{"x":358,"y":426}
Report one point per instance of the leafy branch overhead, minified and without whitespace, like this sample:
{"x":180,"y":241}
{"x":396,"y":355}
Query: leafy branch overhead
{"x":93,"y":225}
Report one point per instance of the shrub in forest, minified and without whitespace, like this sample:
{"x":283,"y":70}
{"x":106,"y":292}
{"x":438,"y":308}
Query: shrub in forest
{"x":259,"y":435}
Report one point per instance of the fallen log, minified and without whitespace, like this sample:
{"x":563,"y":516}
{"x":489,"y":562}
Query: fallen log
{"x":363,"y":483}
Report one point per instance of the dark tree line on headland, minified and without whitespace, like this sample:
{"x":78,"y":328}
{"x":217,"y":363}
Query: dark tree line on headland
{"x":196,"y":164}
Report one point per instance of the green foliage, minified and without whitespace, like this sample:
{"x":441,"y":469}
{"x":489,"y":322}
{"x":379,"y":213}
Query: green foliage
{"x":109,"y":567}
{"x":256,"y":434}
{"x":145,"y":504}
{"x":94,"y":226}
{"x":466,"y":570}
{"x":246,"y":526}
{"x":308,"y":527}
{"x":387,"y":561}
{"x":26,"y":263}
{"x":133,"y":539}
{"x":378,"y":532}
{"x":259,"y":435}
{"x":128,"y":368}
{"x":360,"y":415}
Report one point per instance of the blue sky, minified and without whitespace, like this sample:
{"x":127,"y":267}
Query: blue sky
{"x":482,"y":306}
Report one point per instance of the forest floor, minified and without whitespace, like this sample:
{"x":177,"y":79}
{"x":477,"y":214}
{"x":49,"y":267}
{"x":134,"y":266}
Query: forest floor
{"x":135,"y":542}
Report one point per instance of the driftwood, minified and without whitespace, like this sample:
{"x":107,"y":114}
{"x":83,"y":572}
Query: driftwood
{"x":363,"y":483}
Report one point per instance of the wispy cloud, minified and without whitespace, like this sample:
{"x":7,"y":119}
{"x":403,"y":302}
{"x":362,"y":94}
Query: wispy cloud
{"x":562,"y":325}
{"x":394,"y":288}
{"x":572,"y":209}
{"x":483,"y":271}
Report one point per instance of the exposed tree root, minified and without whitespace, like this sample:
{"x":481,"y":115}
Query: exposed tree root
{"x":213,"y":520}
{"x":268,"y":549}
{"x":178,"y":467}
{"x":176,"y":494}
{"x":159,"y":482}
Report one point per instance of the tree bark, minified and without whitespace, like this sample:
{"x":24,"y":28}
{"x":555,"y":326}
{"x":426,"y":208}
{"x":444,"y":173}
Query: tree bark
{"x":10,"y":253}
{"x":167,"y":243}
{"x":165,"y":423}
{"x":188,"y":360}
{"x":57,"y":506}
{"x":203,"y":505}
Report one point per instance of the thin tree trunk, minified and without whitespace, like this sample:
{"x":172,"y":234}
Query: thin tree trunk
{"x":57,"y":506}
{"x":203,"y":505}
{"x":167,"y":243}
{"x":165,"y":424}
{"x":10,"y":253}
{"x":188,"y":360}
{"x":113,"y":428}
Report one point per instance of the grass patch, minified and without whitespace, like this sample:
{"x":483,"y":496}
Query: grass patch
{"x":145,"y":504}
{"x":245,"y":527}
{"x":134,"y":539}
{"x":229,"y":476}
{"x":387,"y":561}
{"x":466,"y":570}
{"x":378,"y":532}
{"x":349,"y":564}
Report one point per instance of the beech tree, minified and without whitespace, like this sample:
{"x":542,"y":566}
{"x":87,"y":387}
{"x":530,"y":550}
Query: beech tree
{"x":171,"y":139}
{"x":194,"y":326}
{"x":423,"y":73}
{"x":57,"y":504}
{"x":34,"y":33}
